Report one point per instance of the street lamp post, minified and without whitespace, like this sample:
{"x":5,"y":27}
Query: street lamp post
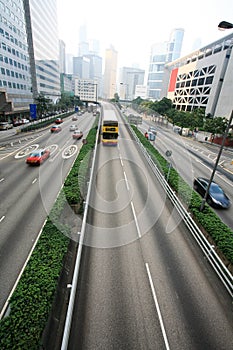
{"x":222,"y":26}
{"x":225,"y":25}
{"x":217,"y":160}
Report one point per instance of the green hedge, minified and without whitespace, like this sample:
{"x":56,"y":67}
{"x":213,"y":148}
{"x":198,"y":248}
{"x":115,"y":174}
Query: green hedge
{"x":220,"y":233}
{"x":32,"y":300}
{"x":43,"y":123}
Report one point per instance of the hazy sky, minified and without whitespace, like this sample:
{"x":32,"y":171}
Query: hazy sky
{"x":132,"y":27}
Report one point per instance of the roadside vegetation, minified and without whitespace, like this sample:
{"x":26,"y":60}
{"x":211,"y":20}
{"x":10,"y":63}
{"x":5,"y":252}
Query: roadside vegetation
{"x":32,"y":300}
{"x":194,"y":120}
{"x":208,"y":221}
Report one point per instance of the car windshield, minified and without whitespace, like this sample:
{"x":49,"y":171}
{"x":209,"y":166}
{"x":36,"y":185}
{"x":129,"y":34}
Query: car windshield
{"x":214,"y":188}
{"x":35,"y":154}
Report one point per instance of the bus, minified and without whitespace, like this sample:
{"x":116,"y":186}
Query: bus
{"x":110,"y":129}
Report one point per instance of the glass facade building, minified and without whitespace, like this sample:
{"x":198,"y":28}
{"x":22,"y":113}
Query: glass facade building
{"x":15,"y":77}
{"x":162,"y":53}
{"x":42,"y":33}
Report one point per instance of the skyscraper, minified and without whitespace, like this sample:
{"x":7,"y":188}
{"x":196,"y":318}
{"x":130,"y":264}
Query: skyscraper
{"x":62,"y":56}
{"x":42,"y":34}
{"x":15,"y":78}
{"x":110,"y":72}
{"x":162,"y":53}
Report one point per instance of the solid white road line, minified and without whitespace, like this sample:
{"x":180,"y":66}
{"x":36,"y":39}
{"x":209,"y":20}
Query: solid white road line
{"x":157,"y":308}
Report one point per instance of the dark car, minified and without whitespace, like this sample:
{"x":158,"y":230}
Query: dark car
{"x":55,"y":128}
{"x":38,"y":157}
{"x":216,"y":197}
{"x":59,"y":121}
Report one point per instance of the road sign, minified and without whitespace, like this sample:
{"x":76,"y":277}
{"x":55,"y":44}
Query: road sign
{"x":168,"y":153}
{"x":33,"y":110}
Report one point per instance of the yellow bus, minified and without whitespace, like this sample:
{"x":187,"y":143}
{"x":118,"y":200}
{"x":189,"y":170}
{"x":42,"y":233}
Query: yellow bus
{"x":110,"y":130}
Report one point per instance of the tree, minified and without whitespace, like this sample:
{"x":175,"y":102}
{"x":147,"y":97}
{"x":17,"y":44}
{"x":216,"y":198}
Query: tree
{"x":216,"y":125}
{"x":163,"y":106}
{"x":43,"y":104}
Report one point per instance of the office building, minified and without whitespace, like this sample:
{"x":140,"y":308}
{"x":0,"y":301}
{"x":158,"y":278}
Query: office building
{"x":129,"y":78}
{"x":42,"y":34}
{"x":141,"y":91}
{"x":86,"y":90}
{"x":203,"y":79}
{"x":81,"y":67}
{"x":62,"y":56}
{"x":69,"y":63}
{"x":67,"y":84}
{"x":15,"y":77}
{"x":110,"y":73}
{"x":162,"y":53}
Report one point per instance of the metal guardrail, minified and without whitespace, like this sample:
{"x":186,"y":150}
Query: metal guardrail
{"x":209,"y":252}
{"x":224,"y":275}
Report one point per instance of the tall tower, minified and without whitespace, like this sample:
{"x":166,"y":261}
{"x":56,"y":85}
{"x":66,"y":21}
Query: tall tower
{"x":110,"y":72}
{"x":83,"y":46}
{"x":42,"y":34}
{"x":162,"y":53}
{"x":62,"y":56}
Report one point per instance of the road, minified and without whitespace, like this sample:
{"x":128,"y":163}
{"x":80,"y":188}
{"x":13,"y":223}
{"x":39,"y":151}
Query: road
{"x":192,"y":159}
{"x":144,"y":284}
{"x":28,"y":193}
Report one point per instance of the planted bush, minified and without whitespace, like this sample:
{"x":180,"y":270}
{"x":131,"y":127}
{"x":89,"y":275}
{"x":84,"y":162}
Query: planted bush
{"x":32,"y":300}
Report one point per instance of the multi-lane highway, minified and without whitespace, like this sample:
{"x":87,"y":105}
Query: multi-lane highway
{"x":144,"y":283}
{"x":28,"y":193}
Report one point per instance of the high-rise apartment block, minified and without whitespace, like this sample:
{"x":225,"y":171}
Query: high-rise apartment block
{"x":162,"y":53}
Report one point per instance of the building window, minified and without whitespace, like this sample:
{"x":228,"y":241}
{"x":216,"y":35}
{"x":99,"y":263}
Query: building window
{"x":201,"y":81}
{"x":209,"y":80}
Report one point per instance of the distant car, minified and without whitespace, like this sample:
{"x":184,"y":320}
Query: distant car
{"x":177,"y":129}
{"x":5,"y":126}
{"x":55,"y":128}
{"x":25,"y":121}
{"x":216,"y":197}
{"x":153,"y":130}
{"x":73,"y":127}
{"x":38,"y":157}
{"x":74,"y":118}
{"x":77,"y":135}
{"x":59,"y":121}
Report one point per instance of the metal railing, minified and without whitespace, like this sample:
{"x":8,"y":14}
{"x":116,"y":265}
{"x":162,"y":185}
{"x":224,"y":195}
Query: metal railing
{"x":208,"y":249}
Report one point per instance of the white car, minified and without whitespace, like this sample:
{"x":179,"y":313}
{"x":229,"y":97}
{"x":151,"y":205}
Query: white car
{"x":153,"y":130}
{"x":73,"y":127}
{"x":5,"y":126}
{"x":78,"y":134}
